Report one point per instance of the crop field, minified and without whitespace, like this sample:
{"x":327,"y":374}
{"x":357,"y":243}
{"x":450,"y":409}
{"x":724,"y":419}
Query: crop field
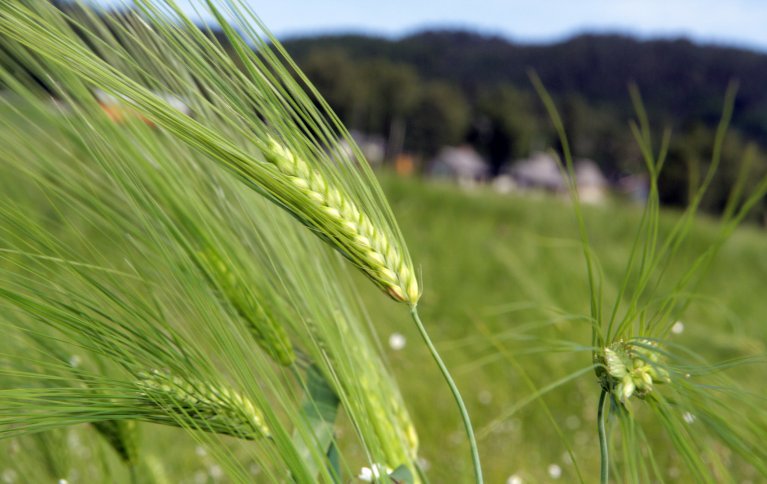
{"x":504,"y":279}
{"x":202,"y":280}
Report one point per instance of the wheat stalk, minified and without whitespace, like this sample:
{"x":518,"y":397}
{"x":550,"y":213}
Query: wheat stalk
{"x":210,"y":407}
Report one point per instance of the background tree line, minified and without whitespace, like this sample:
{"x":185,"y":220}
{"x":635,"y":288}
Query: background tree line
{"x":448,"y":87}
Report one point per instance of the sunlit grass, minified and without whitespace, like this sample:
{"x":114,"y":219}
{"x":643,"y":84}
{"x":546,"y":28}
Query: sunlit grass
{"x":530,"y":303}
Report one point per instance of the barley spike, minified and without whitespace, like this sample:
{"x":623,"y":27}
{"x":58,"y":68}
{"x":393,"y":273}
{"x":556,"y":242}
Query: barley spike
{"x":214,"y":408}
{"x":268,"y":333}
{"x":359,"y":239}
{"x":121,"y":436}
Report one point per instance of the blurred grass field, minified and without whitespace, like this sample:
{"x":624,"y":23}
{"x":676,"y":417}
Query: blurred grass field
{"x":504,"y":289}
{"x":502,"y":275}
{"x":505,"y":294}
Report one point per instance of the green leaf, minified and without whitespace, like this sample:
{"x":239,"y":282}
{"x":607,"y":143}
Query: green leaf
{"x":334,"y":462}
{"x":319,"y":411}
{"x":402,"y":475}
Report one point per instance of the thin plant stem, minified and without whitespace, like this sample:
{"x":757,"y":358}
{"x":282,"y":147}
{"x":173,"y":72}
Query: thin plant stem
{"x":456,"y":395}
{"x":603,"y":452}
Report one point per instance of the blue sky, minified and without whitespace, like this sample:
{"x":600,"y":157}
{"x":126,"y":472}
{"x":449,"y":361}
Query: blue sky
{"x":734,"y":22}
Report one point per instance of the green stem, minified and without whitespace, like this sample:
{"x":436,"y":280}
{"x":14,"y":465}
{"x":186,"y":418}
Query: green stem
{"x":133,"y":469}
{"x":603,"y":452}
{"x":456,"y":395}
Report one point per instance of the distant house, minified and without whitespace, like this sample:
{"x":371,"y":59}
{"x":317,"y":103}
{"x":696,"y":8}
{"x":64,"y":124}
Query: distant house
{"x":504,"y":183}
{"x":373,"y":147}
{"x":404,"y":164}
{"x":461,"y":164}
{"x":592,"y":184}
{"x":635,"y":187}
{"x":542,"y":172}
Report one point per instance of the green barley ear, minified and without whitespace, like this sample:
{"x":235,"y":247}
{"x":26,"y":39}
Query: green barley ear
{"x":210,"y":408}
{"x":121,"y":436}
{"x":386,"y":414}
{"x":268,"y":333}
{"x":631,"y":368}
{"x":342,"y":223}
{"x":405,"y":425}
{"x":392,"y":422}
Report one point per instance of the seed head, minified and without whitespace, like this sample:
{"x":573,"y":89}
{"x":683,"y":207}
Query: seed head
{"x":345,"y":226}
{"x":210,"y":407}
{"x":121,"y":436}
{"x":631,"y":368}
{"x":268,"y":333}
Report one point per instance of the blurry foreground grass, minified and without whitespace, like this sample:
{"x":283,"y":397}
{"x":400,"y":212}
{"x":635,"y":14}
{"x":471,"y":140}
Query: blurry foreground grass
{"x":501,"y":275}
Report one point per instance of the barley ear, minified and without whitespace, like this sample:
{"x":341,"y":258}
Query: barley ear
{"x":201,"y":405}
{"x":121,"y":436}
{"x":631,"y":368}
{"x":268,"y":333}
{"x":345,"y":226}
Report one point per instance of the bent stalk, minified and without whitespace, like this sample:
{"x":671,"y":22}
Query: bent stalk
{"x":456,"y":395}
{"x":603,"y":452}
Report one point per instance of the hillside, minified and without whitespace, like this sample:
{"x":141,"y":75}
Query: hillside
{"x":420,"y":93}
{"x":679,"y":79}
{"x":439,"y":88}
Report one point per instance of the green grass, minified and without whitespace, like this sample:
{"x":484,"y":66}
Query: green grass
{"x":501,"y":276}
{"x":108,"y":229}
{"x":507,"y":264}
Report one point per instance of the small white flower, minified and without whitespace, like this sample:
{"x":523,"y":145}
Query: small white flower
{"x":573,"y":422}
{"x":215,"y":472}
{"x":200,"y":451}
{"x":485,"y":397}
{"x":688,"y":417}
{"x":397,"y":341}
{"x":74,"y":361}
{"x":9,"y":476}
{"x":366,"y":474}
{"x":555,"y":471}
{"x":677,"y":328}
{"x":514,"y":479}
{"x":373,"y":473}
{"x":63,"y":481}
